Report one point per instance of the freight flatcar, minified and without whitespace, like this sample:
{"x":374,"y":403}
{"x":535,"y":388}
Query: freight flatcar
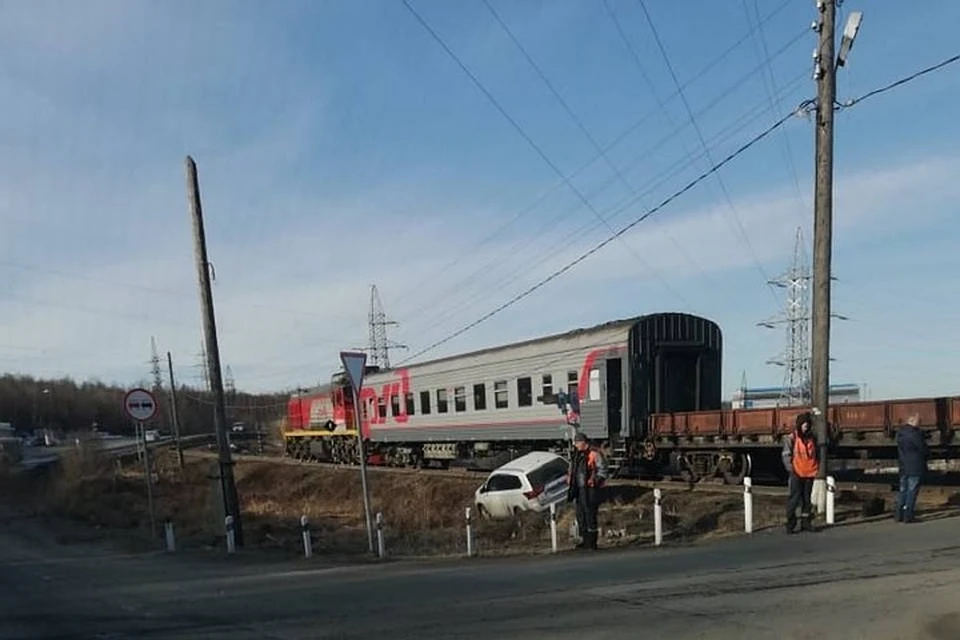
{"x":482,"y":408}
{"x":861,"y":436}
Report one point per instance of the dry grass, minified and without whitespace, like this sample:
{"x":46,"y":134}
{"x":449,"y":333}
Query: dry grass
{"x":424,"y":513}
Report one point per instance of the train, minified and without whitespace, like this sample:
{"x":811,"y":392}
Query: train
{"x":647,"y":389}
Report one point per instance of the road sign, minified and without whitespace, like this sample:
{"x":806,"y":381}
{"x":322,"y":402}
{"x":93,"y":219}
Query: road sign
{"x":140,"y":404}
{"x":354,"y":362}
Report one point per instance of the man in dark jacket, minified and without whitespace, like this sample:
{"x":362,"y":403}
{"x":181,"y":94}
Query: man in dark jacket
{"x":912,"y":458}
{"x":588,"y":472}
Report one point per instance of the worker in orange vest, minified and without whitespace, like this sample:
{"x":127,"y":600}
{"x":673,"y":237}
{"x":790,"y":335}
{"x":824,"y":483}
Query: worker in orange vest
{"x":588,"y":472}
{"x":800,"y":459}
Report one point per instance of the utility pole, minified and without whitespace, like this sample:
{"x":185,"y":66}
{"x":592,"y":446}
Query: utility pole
{"x":228,"y":488}
{"x":825,"y":74}
{"x":175,"y":411}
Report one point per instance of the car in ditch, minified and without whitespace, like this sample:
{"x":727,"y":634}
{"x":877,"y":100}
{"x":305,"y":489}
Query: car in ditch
{"x":531,"y":482}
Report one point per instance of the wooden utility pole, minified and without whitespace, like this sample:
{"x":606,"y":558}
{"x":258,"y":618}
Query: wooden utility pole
{"x":175,"y":411}
{"x":228,"y":488}
{"x":823,"y":227}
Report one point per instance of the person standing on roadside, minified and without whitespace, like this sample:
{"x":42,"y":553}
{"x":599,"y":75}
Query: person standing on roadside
{"x":801,"y":460}
{"x":912,"y":459}
{"x":588,"y":472}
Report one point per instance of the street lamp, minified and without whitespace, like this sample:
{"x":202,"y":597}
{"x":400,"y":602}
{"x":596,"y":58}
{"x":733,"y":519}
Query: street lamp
{"x":849,"y":35}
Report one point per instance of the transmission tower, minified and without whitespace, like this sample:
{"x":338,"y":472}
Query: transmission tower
{"x":229,"y":384}
{"x":379,"y":348}
{"x":795,"y":358}
{"x":203,"y":365}
{"x":155,"y":366}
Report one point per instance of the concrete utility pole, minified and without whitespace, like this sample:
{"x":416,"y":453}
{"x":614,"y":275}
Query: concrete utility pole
{"x":175,"y":411}
{"x":228,"y":489}
{"x":825,"y":74}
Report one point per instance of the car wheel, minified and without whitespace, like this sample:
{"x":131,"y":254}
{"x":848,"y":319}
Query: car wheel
{"x":482,"y":512}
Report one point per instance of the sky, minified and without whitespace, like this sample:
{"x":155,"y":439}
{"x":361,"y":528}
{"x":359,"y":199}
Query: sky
{"x":340,"y":145}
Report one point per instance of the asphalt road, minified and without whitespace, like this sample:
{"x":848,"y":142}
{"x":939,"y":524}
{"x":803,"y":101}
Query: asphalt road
{"x":878,"y":581}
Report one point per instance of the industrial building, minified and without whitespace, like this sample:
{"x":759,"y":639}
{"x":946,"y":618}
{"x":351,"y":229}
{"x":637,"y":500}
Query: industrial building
{"x":765,"y":397}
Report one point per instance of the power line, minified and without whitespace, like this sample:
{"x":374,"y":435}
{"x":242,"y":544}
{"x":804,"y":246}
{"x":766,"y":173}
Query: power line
{"x":671,"y":171}
{"x":543,"y":156}
{"x":703,"y":143}
{"x":624,"y":134}
{"x":522,"y":245}
{"x":901,"y":81}
{"x":635,"y":57}
{"x":703,"y":176}
{"x":541,"y":258}
{"x":593,"y":142}
{"x":532,"y":263}
{"x":771,"y":87}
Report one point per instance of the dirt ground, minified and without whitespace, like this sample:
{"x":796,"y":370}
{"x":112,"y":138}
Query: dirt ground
{"x":424,"y":513}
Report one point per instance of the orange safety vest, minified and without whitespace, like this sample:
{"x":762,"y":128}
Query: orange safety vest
{"x":805,"y":463}
{"x":595,"y":469}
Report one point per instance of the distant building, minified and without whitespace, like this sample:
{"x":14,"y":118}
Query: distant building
{"x":766,"y":397}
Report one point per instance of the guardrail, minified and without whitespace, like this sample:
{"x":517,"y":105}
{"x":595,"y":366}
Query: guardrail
{"x":185,"y":442}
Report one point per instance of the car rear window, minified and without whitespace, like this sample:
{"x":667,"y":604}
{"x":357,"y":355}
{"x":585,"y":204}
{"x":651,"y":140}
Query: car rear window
{"x":548,"y":472}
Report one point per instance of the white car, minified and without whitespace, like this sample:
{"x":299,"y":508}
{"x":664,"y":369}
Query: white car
{"x":531,"y":482}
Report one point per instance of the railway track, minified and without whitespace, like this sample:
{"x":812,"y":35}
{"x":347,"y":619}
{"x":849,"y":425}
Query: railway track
{"x":946,"y":488}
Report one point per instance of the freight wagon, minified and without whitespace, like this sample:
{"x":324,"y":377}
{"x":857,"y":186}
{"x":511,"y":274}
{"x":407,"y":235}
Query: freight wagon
{"x":648,"y":388}
{"x":862,"y":435}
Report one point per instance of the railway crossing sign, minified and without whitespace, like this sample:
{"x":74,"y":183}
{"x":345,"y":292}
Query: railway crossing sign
{"x":354,"y":362}
{"x":140,"y":404}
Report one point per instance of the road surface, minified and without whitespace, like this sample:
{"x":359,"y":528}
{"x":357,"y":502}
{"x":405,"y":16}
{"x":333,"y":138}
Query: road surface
{"x":879,"y":581}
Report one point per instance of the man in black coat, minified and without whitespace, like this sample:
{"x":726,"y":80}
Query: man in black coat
{"x":912,"y":458}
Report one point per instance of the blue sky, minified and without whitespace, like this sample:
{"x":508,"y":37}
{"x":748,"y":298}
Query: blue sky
{"x":338,"y":146}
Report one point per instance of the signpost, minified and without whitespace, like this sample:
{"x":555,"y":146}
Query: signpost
{"x":141,"y":406}
{"x":354,"y":362}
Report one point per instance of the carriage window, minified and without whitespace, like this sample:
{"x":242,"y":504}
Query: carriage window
{"x":382,"y":407}
{"x":573,"y":383}
{"x":500,"y":397}
{"x":524,"y":392}
{"x":441,"y":400}
{"x":594,"y":384}
{"x":460,"y":399}
{"x":425,"y":402}
{"x":479,"y":397}
{"x":546,"y":389}
{"x":395,"y":404}
{"x":411,"y":409}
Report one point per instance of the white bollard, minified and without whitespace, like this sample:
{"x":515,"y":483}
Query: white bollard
{"x":747,"y":505}
{"x":381,"y":551}
{"x":818,"y":496}
{"x":657,"y":517}
{"x":305,"y":533}
{"x":171,"y":541}
{"x":231,"y":536}
{"x":469,"y":535}
{"x":553,"y":527}
{"x":831,"y":496}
